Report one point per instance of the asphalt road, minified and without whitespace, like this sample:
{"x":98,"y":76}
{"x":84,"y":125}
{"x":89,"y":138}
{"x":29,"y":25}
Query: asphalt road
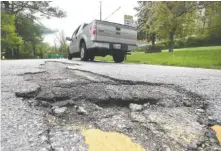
{"x":28,"y":120}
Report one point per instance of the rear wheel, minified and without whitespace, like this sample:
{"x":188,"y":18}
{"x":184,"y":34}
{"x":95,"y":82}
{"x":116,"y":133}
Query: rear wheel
{"x":69,"y":55}
{"x":84,"y":53}
{"x":118,"y":57}
{"x":91,"y":58}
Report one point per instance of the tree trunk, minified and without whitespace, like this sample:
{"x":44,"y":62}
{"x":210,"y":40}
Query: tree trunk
{"x":171,"y":44}
{"x":12,"y":8}
{"x":153,"y":39}
{"x":6,"y":3}
{"x":33,"y":47}
{"x":6,"y":53}
{"x":13,"y":53}
{"x":17,"y":53}
{"x":9,"y":53}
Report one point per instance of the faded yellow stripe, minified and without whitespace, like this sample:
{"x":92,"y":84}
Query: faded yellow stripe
{"x":98,"y":140}
{"x":217,"y":129}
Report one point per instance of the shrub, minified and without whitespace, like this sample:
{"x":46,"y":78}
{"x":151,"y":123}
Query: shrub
{"x":193,"y":42}
{"x":142,"y":48}
{"x":179,"y":43}
{"x":153,"y":49}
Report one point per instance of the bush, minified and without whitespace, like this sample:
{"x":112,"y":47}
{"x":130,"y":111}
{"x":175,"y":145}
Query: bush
{"x":163,"y":45}
{"x":192,"y":42}
{"x":153,"y":49}
{"x":142,"y":48}
{"x":179,"y":43}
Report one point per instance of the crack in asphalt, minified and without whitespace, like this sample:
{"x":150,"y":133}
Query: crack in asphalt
{"x":121,"y":81}
{"x":49,"y":142}
{"x":55,"y":61}
{"x":142,"y":83}
{"x":116,"y":82}
{"x":38,"y":72}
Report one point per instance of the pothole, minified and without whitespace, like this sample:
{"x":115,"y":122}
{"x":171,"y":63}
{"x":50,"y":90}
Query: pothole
{"x":164,"y":115}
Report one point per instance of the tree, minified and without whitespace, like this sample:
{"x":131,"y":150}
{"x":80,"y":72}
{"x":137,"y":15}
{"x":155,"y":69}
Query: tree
{"x":145,"y":22}
{"x":10,"y":41}
{"x":31,"y":8}
{"x":43,"y":49}
{"x":170,"y":20}
{"x":25,"y":17}
{"x":60,"y":37}
{"x":212,"y":17}
{"x":31,"y":32}
{"x":172,"y":16}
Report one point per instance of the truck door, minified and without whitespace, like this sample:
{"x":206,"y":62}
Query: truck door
{"x":74,"y":42}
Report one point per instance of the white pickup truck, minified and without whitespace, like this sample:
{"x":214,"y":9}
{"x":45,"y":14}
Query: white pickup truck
{"x":101,"y":38}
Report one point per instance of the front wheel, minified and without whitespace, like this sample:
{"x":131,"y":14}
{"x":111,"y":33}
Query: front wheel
{"x":118,"y":57}
{"x":69,"y":55}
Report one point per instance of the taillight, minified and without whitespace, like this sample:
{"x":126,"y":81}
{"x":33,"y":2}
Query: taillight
{"x":93,"y":29}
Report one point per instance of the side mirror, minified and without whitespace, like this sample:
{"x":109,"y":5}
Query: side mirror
{"x":68,"y":39}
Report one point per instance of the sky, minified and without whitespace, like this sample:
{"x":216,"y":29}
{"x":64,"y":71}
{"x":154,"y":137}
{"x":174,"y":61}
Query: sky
{"x":85,"y":11}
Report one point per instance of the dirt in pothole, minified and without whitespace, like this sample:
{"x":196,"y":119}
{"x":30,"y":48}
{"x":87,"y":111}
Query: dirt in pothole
{"x":154,"y":115}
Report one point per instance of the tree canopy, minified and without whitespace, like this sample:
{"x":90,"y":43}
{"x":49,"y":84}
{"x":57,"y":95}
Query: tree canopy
{"x":22,"y":32}
{"x":169,"y":20}
{"x":31,"y":8}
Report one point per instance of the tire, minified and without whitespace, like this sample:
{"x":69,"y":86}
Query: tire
{"x":83,"y":52}
{"x":118,"y":57}
{"x":69,"y":55}
{"x":91,"y":58}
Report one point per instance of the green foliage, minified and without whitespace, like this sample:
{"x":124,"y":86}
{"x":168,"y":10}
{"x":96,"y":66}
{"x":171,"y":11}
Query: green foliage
{"x":141,"y":49}
{"x":31,"y":8}
{"x":181,"y":23}
{"x":213,"y":14}
{"x":25,"y":52}
{"x":22,"y":36}
{"x":29,"y":42}
{"x":9,"y":38}
{"x":146,"y":30}
{"x":192,"y":41}
{"x":63,"y":46}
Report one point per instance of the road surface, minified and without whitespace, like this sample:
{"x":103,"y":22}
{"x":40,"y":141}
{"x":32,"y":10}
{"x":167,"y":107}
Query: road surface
{"x":60,"y":104}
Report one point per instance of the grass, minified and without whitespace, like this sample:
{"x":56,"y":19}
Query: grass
{"x":203,"y":57}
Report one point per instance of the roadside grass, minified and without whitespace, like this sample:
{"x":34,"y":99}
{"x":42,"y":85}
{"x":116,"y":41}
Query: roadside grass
{"x":202,"y":57}
{"x":196,"y":48}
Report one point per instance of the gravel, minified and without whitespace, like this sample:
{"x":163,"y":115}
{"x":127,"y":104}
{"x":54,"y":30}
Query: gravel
{"x":137,"y":117}
{"x":135,"y":107}
{"x":81,"y":110}
{"x":59,"y":111}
